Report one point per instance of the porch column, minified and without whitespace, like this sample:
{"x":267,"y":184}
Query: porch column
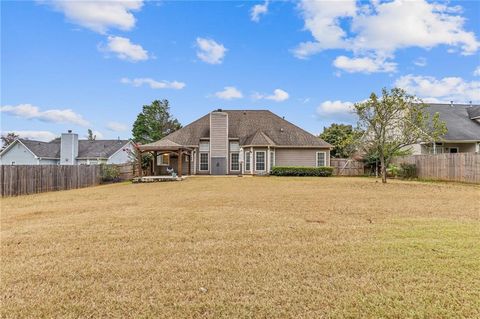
{"x":190,"y":163}
{"x":139,"y":164}
{"x":155,"y":164}
{"x":179,"y":164}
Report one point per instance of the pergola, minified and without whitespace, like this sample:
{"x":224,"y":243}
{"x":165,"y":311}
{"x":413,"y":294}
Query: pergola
{"x":165,"y":147}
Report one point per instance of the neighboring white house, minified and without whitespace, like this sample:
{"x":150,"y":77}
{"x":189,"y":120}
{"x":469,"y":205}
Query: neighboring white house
{"x":67,"y":150}
{"x":463,"y":135}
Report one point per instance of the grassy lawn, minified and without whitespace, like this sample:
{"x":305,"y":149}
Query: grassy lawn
{"x":244,"y":247}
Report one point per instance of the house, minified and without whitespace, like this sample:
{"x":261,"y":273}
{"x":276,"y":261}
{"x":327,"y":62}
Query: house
{"x":232,"y":142}
{"x":67,"y":150}
{"x":463,"y":135}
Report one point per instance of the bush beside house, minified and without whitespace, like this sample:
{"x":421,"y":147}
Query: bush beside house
{"x":322,"y":171}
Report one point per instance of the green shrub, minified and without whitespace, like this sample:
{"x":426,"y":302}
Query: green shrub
{"x":302,"y":171}
{"x":109,"y":173}
{"x":393,"y":170}
{"x":407,"y":171}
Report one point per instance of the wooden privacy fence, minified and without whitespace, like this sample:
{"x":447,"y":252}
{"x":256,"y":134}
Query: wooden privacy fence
{"x":126,"y":171}
{"x":458,"y":167}
{"x":31,"y":179}
{"x":347,"y":167}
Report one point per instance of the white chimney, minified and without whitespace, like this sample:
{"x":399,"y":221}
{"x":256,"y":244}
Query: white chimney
{"x":68,"y":148}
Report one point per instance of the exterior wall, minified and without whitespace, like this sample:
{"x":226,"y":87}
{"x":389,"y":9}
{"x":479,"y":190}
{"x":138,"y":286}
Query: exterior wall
{"x":19,"y":154}
{"x":123,"y":155}
{"x":425,"y":149}
{"x":44,"y":161}
{"x":218,"y":143}
{"x":299,"y":156}
{"x":91,"y":161}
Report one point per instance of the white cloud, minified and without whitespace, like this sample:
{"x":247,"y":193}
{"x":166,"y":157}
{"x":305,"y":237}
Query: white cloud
{"x":258,"y":10}
{"x":278,"y":95}
{"x":210,"y":51}
{"x":477,"y":71}
{"x":29,"y":111}
{"x":125,"y":49}
{"x":446,"y":89}
{"x":99,"y":16}
{"x":153,"y":83}
{"x":364,"y":65}
{"x":117,"y":127}
{"x":421,"y":61}
{"x":334,"y":107}
{"x":44,"y":136}
{"x":378,"y":29}
{"x":229,"y":93}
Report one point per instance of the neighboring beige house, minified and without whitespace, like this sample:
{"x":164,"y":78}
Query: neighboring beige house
{"x":463,"y":135}
{"x":236,"y":142}
{"x":67,"y":150}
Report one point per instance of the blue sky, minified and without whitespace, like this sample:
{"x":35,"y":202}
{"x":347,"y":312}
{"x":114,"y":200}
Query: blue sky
{"x":93,"y":64}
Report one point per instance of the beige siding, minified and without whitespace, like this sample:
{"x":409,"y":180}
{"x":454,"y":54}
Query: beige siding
{"x":218,"y":134}
{"x":298,"y":157}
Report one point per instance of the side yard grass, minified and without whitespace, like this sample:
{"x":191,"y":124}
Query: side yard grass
{"x":244,"y":247}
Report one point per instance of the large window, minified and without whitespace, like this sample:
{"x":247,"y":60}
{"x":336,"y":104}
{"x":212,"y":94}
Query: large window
{"x":234,"y":162}
{"x":260,"y":161}
{"x":247,"y":161}
{"x":204,"y":161}
{"x":321,"y":159}
{"x":163,"y":159}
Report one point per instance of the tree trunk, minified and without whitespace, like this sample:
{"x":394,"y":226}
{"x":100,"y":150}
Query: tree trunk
{"x":383,"y":168}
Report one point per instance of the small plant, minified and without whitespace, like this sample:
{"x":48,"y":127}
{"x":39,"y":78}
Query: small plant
{"x":407,"y":171}
{"x":109,"y":173}
{"x":302,"y":171}
{"x":393,"y":170}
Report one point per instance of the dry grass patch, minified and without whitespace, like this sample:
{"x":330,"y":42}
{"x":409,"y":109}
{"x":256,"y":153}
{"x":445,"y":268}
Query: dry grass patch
{"x":244,"y":247}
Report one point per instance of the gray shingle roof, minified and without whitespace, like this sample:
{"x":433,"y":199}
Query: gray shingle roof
{"x":474,"y":112}
{"x":245,"y":125}
{"x":43,"y":149}
{"x":86,"y":148}
{"x":99,"y":148}
{"x":459,"y":125}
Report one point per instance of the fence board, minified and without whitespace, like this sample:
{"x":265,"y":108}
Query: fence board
{"x":458,"y":167}
{"x":347,"y":167}
{"x":30,"y":179}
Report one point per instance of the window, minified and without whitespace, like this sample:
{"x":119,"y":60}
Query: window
{"x":234,"y":162}
{"x":234,"y":147}
{"x":272,"y":159}
{"x":453,"y":149}
{"x":163,"y":159}
{"x":321,"y":159}
{"x":247,"y":161}
{"x":204,"y":161}
{"x":260,"y":161}
{"x":204,"y":146}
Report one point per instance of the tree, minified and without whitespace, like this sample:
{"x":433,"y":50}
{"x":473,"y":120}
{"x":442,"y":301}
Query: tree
{"x":393,"y":122}
{"x":154,"y":122}
{"x":90,"y":136}
{"x":342,"y":137}
{"x":8,"y":139}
